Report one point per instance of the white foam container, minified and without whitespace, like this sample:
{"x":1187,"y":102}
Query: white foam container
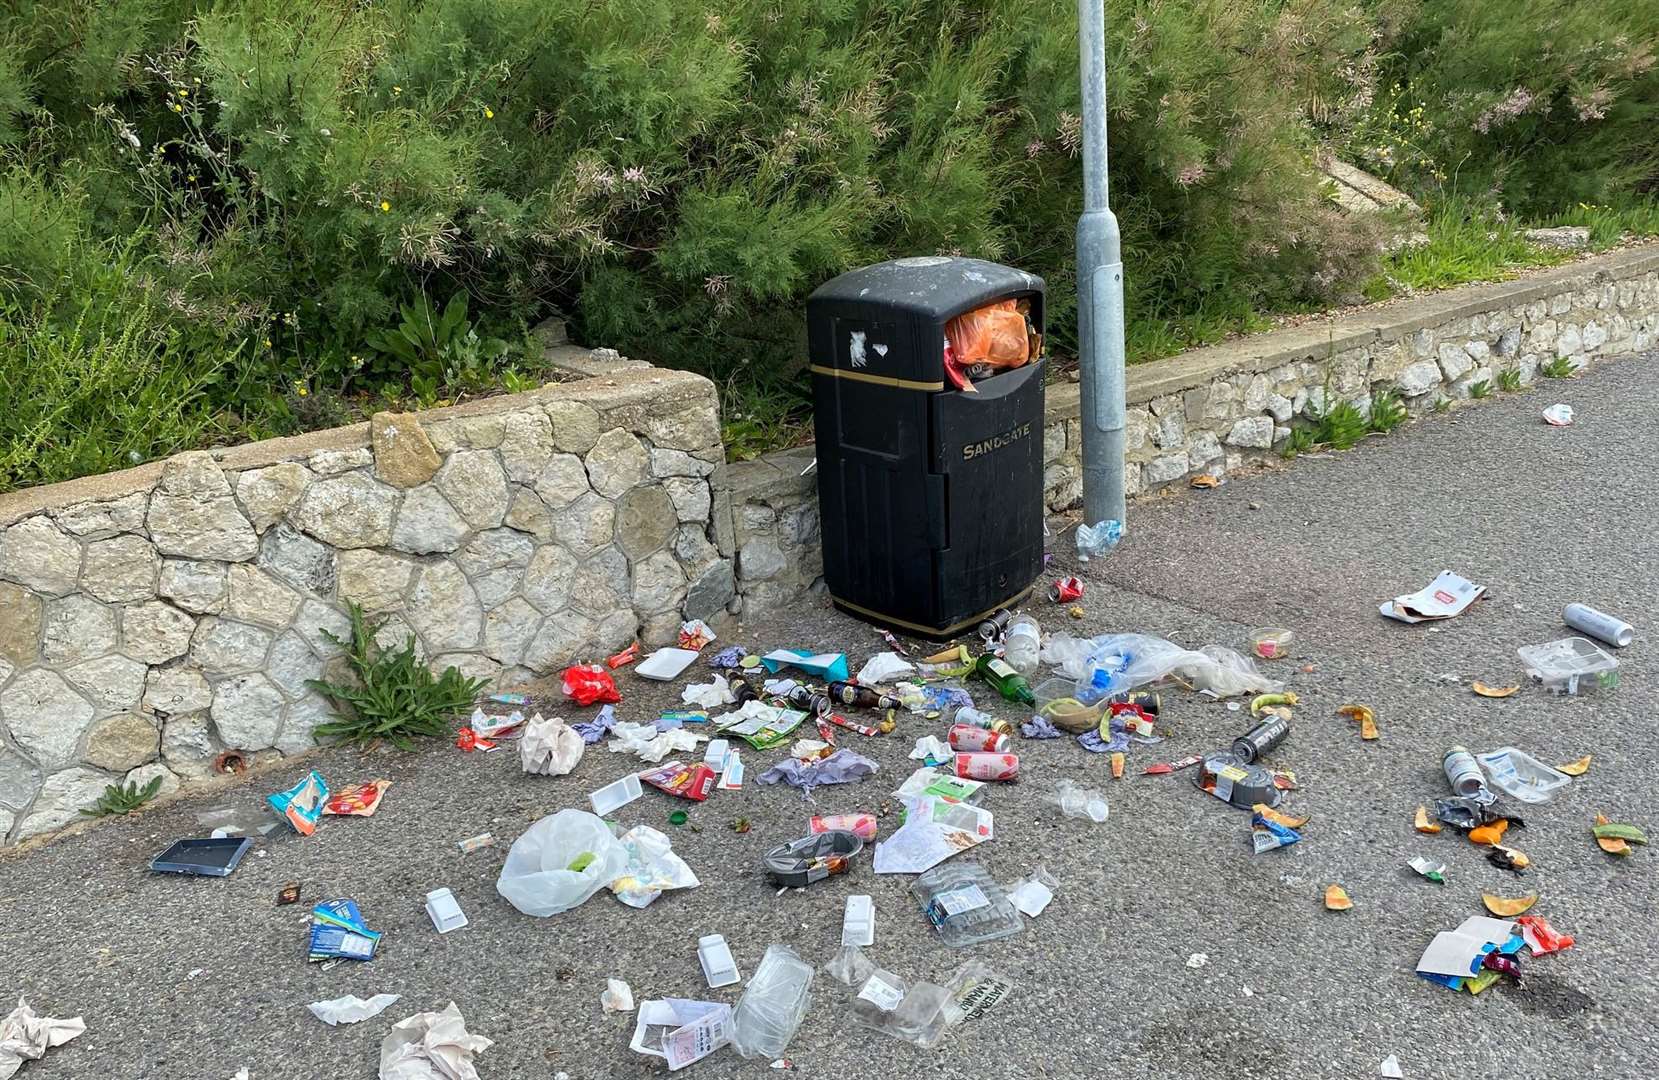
{"x":665,"y":664}
{"x":613,"y":797}
{"x":444,"y":911}
{"x":716,"y":957}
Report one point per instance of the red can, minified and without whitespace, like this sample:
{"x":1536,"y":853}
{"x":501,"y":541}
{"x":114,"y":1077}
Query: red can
{"x":987,"y":766}
{"x":968,"y":738}
{"x":861,"y":825}
{"x":1066,"y":590}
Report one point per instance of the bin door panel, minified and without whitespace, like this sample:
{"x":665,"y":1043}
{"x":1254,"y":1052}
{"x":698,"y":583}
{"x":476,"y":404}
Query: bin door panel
{"x":873,"y":492}
{"x":989,"y":447}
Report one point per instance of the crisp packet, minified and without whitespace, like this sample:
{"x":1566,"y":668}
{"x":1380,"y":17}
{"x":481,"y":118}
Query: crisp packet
{"x":1266,"y":834}
{"x":681,"y":780}
{"x":302,"y":804}
{"x":694,"y":634}
{"x":337,"y":931}
{"x":357,"y":800}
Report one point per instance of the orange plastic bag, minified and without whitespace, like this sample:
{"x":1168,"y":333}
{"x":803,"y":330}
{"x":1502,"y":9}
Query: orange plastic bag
{"x":994,"y":334}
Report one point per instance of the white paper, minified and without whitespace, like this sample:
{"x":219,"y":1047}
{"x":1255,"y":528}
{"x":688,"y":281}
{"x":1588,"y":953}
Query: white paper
{"x":922,"y":842}
{"x":26,"y":1037}
{"x":618,"y":996}
{"x":649,"y":743}
{"x":549,"y":747}
{"x":1031,"y":897}
{"x":351,"y":1009}
{"x":1445,"y":596}
{"x":431,"y":1046}
{"x":680,"y":1031}
{"x":755,"y":716}
{"x":709,"y":695}
{"x":883,"y":667}
{"x":1458,"y":952}
{"x":1390,"y":1068}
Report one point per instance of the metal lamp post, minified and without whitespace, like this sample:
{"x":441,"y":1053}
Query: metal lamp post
{"x":1099,"y":290}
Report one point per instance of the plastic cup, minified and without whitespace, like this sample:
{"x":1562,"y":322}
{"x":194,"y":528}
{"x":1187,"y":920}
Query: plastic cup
{"x":1271,"y":642}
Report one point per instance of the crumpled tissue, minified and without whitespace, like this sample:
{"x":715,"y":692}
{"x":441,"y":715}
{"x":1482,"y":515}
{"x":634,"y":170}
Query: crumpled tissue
{"x":841,"y":767}
{"x":652,"y":869}
{"x":883,"y":667}
{"x":649,"y":743}
{"x":431,"y":1046}
{"x":710,"y":695}
{"x":932,"y":750}
{"x":351,"y":1009}
{"x":26,"y":1037}
{"x":549,"y":747}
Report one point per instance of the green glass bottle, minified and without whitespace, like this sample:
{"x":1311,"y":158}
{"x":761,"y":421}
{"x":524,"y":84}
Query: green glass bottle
{"x":1008,"y":682}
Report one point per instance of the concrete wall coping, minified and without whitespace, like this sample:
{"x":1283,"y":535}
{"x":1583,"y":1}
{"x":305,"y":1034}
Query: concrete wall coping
{"x":647,"y":386}
{"x":1357,"y":329}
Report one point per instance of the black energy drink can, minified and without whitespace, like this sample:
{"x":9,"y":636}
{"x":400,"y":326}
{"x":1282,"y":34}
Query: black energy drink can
{"x":1260,"y":739}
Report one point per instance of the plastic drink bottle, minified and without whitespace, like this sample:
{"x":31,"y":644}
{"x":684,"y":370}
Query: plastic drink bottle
{"x":1021,"y":643}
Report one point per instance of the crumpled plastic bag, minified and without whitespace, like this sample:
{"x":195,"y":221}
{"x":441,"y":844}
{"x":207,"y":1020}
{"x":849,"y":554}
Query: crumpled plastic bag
{"x":431,"y":1046}
{"x":1096,"y":540}
{"x":1114,"y":664}
{"x":932,"y":750}
{"x":549,"y":747}
{"x":26,"y":1037}
{"x":649,"y":743}
{"x":1039,"y":727}
{"x":652,"y":869}
{"x":351,"y":1009}
{"x":560,"y":861}
{"x":593,"y":730}
{"x":590,"y":684}
{"x":710,"y":695}
{"x":884,"y":667}
{"x":995,"y":335}
{"x":841,"y":767}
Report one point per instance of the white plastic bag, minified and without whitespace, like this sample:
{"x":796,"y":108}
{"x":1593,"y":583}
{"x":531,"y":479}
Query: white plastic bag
{"x":549,"y":747}
{"x":537,"y":877}
{"x":652,"y":868}
{"x":884,"y":667}
{"x":1114,"y":664}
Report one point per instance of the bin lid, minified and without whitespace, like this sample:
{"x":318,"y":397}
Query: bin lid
{"x":935,"y":286}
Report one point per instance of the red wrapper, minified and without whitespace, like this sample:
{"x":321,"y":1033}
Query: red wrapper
{"x":987,"y":766}
{"x":626,"y":656}
{"x":967,"y":738}
{"x":357,"y":800}
{"x":681,"y":780}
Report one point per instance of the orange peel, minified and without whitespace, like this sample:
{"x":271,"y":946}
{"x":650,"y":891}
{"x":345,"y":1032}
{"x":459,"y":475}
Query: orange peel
{"x":1492,"y":691}
{"x":1336,"y":898}
{"x":1505,"y":908}
{"x":1576,"y":768}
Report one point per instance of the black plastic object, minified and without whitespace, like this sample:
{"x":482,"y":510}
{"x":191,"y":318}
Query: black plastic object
{"x":213,"y":857}
{"x":930,"y":498}
{"x":812,"y":858}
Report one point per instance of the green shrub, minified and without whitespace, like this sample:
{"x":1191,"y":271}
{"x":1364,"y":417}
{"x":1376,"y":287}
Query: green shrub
{"x":394,"y":696}
{"x":1542,"y":104}
{"x":110,"y":390}
{"x":123,"y":799}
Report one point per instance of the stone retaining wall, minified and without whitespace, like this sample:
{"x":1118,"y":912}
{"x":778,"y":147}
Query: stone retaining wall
{"x":151,"y":618}
{"x":1212,"y":410}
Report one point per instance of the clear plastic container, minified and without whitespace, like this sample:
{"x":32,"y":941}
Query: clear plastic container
{"x":1057,"y":702}
{"x":966,"y":904}
{"x":1569,"y":665}
{"x":1021,"y":643}
{"x":772,"y":1005}
{"x":1270,"y":642}
{"x":1521,"y":776}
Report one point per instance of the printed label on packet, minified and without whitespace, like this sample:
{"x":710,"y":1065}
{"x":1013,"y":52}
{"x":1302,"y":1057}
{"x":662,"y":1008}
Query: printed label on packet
{"x":698,"y":1039}
{"x":1225,"y":778}
{"x":979,"y":998}
{"x":961,"y":899}
{"x":881,"y":993}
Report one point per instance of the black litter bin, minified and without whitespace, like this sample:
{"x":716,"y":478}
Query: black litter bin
{"x":931,"y":497}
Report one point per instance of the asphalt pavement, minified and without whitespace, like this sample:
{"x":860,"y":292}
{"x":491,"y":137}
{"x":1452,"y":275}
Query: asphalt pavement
{"x":180,"y":978}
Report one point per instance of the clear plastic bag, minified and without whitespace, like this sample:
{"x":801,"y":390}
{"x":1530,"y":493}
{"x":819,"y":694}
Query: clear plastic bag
{"x":772,"y":1005}
{"x":652,"y":868}
{"x":560,"y":861}
{"x":1114,"y":664}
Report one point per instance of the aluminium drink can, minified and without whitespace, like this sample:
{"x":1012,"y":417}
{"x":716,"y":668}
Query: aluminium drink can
{"x":982,"y":766}
{"x":967,"y":738}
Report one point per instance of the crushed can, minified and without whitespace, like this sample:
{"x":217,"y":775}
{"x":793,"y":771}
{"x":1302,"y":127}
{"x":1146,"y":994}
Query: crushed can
{"x":992,"y":627}
{"x":862,"y":826}
{"x":966,"y":738}
{"x":984,"y":766}
{"x":1260,"y":739}
{"x":1066,"y":590}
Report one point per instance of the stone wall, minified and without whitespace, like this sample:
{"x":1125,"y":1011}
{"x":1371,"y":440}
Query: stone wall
{"x":1212,"y":410}
{"x":151,"y":618}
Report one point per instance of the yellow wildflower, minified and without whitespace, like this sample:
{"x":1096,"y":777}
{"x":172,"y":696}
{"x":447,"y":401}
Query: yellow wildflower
{"x":489,"y":113}
{"x":385,"y":207}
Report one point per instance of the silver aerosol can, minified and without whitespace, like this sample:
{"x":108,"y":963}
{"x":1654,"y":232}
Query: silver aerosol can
{"x":1598,"y":624}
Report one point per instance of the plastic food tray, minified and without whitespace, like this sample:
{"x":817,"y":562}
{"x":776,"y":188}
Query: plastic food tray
{"x":1563,"y":665}
{"x":1057,"y":703}
{"x":215,"y":857}
{"x":812,"y":858}
{"x":965,"y":904}
{"x":665,"y":664}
